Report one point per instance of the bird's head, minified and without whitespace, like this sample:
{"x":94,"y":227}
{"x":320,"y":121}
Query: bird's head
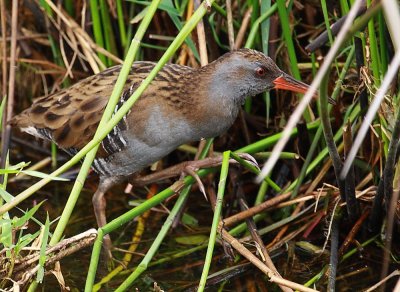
{"x":247,"y":72}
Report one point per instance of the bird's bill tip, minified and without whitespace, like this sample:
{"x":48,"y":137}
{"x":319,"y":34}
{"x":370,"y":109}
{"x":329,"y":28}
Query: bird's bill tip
{"x":287,"y":82}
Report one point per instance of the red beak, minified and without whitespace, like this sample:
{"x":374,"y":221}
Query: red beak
{"x":287,"y":82}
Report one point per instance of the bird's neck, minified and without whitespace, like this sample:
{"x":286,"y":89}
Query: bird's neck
{"x":225,"y":92}
{"x":219,"y":102}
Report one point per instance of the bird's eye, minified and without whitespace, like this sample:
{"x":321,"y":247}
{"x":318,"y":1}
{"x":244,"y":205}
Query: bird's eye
{"x":260,"y":71}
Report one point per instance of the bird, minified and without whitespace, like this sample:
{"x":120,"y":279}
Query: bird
{"x":181,"y":105}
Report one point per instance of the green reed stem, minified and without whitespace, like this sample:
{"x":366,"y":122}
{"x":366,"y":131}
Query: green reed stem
{"x":216,"y":220}
{"x":97,"y":27}
{"x":254,"y":29}
{"x":121,"y":23}
{"x":373,"y":45}
{"x":383,"y":44}
{"x":265,"y":28}
{"x":287,"y":34}
{"x":328,"y":26}
{"x":108,"y":33}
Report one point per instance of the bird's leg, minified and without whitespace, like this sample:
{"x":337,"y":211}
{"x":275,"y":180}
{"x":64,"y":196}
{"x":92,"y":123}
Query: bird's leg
{"x":99,"y":204}
{"x":188,"y":167}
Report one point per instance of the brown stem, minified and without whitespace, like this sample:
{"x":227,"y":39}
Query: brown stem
{"x":4,"y":48}
{"x":259,"y":264}
{"x":242,"y":31}
{"x":251,"y":226}
{"x":255,"y":210}
{"x":231,"y":33}
{"x":5,"y":135}
{"x":350,"y":236}
{"x":202,"y":39}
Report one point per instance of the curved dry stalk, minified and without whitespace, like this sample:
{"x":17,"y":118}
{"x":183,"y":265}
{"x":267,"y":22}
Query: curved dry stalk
{"x":257,"y":239}
{"x":259,"y":264}
{"x":64,"y":248}
{"x":89,"y":48}
{"x":395,"y":273}
{"x":255,"y":210}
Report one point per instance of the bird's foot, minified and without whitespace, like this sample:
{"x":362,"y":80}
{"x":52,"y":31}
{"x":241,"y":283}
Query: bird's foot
{"x":106,"y":252}
{"x":110,"y":261}
{"x":190,"y":168}
{"x":193,"y":166}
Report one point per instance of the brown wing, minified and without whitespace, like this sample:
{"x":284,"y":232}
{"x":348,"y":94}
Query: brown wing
{"x":70,"y":116}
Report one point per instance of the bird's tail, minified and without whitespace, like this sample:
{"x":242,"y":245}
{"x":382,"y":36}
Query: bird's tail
{"x":21,"y":120}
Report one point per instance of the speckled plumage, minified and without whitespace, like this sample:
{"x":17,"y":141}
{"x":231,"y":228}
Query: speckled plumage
{"x":70,"y":116}
{"x":182,"y":104}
